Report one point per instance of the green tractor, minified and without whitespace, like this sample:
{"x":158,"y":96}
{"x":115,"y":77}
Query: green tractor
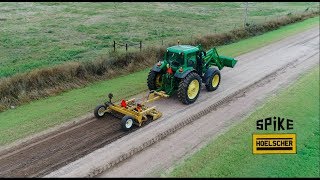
{"x":183,"y":70}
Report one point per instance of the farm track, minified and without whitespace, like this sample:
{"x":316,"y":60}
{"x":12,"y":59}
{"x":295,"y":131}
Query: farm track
{"x":39,"y":158}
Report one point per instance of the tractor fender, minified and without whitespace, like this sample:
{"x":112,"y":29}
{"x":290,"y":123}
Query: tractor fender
{"x":156,"y":68}
{"x":183,"y":74}
{"x":208,"y":73}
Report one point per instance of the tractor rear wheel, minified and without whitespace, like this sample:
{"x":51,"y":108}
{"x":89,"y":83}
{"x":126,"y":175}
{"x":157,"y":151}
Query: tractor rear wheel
{"x":213,"y":80}
{"x":99,"y":111}
{"x":127,"y":122}
{"x":154,"y":80}
{"x":189,"y":88}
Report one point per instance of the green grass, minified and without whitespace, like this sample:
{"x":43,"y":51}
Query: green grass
{"x":45,"y":113}
{"x":53,"y":33}
{"x":230,"y":155}
{"x":250,"y":44}
{"x":42,"y":114}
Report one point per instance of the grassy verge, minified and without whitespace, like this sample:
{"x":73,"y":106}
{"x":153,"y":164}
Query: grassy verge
{"x":42,"y":114}
{"x":267,"y":38}
{"x":230,"y":155}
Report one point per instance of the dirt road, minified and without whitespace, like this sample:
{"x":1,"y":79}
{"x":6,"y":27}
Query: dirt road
{"x":161,"y":157}
{"x":295,"y":54}
{"x":50,"y":153}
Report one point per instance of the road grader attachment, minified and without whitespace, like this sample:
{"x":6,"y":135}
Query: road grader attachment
{"x":132,"y":113}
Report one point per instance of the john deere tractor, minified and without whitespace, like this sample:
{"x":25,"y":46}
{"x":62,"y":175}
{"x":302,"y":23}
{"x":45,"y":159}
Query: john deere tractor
{"x":183,"y":70}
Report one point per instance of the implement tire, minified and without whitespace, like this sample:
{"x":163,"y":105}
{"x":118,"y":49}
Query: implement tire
{"x":99,"y":111}
{"x":189,"y":88}
{"x":127,"y":122}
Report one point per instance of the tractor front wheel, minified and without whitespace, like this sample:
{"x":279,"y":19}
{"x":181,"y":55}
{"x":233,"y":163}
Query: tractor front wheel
{"x":213,"y":80}
{"x":127,"y":122}
{"x":154,"y":80}
{"x":189,"y":88}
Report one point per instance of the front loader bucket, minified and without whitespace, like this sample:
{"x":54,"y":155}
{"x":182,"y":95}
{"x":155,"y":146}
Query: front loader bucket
{"x":228,"y":61}
{"x":219,"y":61}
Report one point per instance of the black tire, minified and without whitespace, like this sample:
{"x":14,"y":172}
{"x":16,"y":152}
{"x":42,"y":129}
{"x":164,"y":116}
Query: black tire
{"x":152,"y":80}
{"x":215,"y":77}
{"x":127,"y":122}
{"x":184,"y":85}
{"x":97,"y":111}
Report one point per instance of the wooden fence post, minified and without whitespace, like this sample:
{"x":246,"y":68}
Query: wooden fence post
{"x":140,"y":45}
{"x":114,"y":46}
{"x":126,"y":47}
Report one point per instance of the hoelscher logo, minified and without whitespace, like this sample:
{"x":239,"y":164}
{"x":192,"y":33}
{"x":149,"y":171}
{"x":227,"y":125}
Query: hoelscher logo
{"x":274,"y":143}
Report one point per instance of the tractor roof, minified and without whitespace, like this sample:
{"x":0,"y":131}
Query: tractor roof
{"x":183,"y":48}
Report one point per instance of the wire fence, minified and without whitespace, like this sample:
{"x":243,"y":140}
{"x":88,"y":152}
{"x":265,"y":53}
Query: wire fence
{"x":247,"y":20}
{"x":126,"y":45}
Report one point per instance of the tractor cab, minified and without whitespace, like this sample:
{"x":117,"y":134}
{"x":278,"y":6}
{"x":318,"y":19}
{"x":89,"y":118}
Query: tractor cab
{"x":182,"y":56}
{"x":185,"y":56}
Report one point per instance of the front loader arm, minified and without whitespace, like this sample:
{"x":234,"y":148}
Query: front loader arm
{"x":212,"y":58}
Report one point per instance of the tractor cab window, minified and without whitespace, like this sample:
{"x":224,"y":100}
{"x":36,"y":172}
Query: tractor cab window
{"x":191,"y":59}
{"x":175,"y":59}
{"x":191,"y":56}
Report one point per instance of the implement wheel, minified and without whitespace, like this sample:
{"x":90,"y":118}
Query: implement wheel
{"x":99,"y":111}
{"x":127,"y":122}
{"x":213,"y":80}
{"x":189,"y":88}
{"x":154,"y":80}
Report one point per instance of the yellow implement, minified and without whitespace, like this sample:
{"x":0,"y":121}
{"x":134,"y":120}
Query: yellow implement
{"x":134,"y":113}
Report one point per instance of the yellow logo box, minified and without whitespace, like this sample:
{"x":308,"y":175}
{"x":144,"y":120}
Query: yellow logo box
{"x":274,"y":143}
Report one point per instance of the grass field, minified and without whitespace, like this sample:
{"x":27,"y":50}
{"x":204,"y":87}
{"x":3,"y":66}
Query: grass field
{"x":43,"y":34}
{"x":42,"y":114}
{"x":230,"y":155}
